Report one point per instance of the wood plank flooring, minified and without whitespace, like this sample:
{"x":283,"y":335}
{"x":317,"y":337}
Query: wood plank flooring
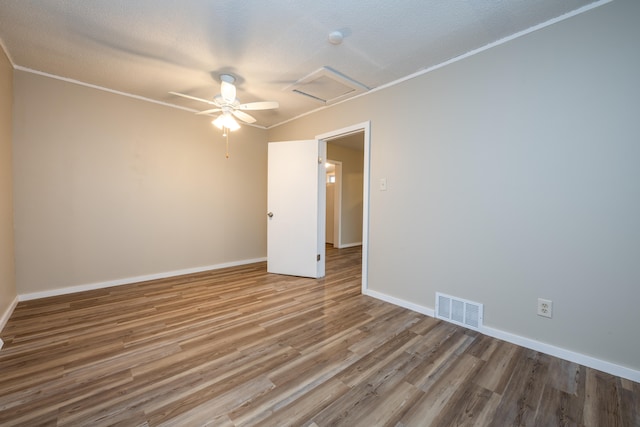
{"x":241,"y":347}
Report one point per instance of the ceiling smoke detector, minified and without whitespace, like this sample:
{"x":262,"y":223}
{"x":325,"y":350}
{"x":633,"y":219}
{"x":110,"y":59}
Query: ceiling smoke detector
{"x":336,"y":37}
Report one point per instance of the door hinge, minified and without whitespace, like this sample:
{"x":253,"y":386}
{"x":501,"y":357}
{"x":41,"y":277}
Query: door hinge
{"x":319,"y":160}
{"x":318,"y":257}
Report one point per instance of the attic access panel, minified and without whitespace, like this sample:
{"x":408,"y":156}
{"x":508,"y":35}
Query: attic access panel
{"x":327,"y":86}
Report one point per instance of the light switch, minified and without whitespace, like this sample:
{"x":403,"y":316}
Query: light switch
{"x":383,"y":184}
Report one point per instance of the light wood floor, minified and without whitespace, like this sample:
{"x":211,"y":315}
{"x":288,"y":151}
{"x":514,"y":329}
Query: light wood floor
{"x":240,"y":347}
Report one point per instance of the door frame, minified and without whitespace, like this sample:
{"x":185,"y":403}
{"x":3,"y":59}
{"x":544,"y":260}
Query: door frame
{"x":366,"y":128}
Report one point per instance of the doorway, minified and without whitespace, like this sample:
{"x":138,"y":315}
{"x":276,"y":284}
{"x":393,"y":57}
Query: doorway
{"x":354,"y":213}
{"x":345,"y":153}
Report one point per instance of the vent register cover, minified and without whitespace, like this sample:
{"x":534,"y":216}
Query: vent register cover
{"x":327,"y":86}
{"x":460,"y":311}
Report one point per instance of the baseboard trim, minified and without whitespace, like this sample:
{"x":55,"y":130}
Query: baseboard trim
{"x":571,"y":356}
{"x":7,"y":314}
{"x":562,"y":353}
{"x":349,"y":245}
{"x":400,"y":302}
{"x":136,"y":279}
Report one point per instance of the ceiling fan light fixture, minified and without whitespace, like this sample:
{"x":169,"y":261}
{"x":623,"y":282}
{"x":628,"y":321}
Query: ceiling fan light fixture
{"x":232,"y":125}
{"x":227,"y":103}
{"x":226,"y":121}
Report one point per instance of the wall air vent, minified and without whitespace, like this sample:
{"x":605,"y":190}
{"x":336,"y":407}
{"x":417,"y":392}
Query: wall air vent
{"x":460,"y":311}
{"x":327,"y":86}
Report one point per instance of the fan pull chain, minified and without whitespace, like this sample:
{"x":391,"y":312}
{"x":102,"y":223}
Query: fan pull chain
{"x":226,"y":134}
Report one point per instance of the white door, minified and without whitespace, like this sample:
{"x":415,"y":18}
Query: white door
{"x":296,"y":208}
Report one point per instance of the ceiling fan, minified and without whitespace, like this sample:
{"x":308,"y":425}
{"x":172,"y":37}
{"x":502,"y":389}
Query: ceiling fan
{"x":230,"y":107}
{"x":227,"y":103}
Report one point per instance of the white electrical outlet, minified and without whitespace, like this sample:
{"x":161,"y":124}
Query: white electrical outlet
{"x":545,"y":307}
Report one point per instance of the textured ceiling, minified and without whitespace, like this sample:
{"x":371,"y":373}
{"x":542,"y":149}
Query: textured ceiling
{"x":150,"y":47}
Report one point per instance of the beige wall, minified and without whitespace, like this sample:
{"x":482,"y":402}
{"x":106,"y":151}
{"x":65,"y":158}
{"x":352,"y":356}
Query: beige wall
{"x":7,"y":271}
{"x":512,"y":175}
{"x":352,"y":171}
{"x":109,"y":187}
{"x":329,"y":212}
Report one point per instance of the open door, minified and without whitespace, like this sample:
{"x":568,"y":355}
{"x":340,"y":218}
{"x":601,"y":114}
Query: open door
{"x":296,"y":208}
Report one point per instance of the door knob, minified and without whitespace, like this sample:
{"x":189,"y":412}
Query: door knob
{"x":270,"y":214}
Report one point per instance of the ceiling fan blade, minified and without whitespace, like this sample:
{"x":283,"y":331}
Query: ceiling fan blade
{"x":262,"y":105}
{"x":244,"y":116}
{"x":212,"y":110}
{"x":192,"y":97}
{"x":228,"y":91}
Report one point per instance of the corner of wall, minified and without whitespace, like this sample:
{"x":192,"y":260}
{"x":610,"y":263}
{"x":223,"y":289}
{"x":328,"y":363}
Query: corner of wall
{"x":7,"y":261}
{"x":4,"y":317}
{"x":6,"y":54}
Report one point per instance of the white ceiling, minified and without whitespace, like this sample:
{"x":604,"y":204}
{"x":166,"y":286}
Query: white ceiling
{"x":150,"y":47}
